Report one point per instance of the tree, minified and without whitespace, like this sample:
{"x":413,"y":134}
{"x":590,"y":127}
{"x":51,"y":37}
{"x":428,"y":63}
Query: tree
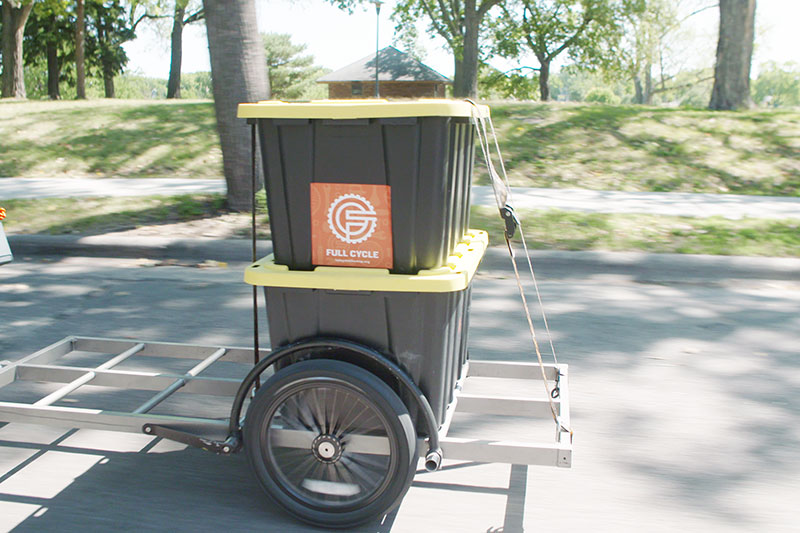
{"x":734,"y":54}
{"x":588,"y":30}
{"x":660,"y":45}
{"x":15,"y":15}
{"x":111,"y":25}
{"x":495,"y":84}
{"x":239,"y":74}
{"x":574,"y":84}
{"x":179,"y":20}
{"x":80,"y":46}
{"x":49,"y":34}
{"x":646,"y":31}
{"x":459,"y":23}
{"x":291,"y":75}
{"x":778,"y":85}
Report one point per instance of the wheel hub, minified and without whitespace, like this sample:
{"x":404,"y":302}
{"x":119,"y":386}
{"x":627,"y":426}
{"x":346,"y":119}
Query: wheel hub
{"x":327,"y":448}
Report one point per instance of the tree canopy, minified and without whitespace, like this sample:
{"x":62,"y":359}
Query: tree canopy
{"x":778,"y":85}
{"x":507,"y":48}
{"x":49,"y":38}
{"x":589,"y":31}
{"x":461,"y":24}
{"x":292,"y":75}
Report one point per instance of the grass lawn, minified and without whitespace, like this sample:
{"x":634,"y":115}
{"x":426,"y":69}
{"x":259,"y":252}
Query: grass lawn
{"x":109,"y":138}
{"x":563,"y":230}
{"x":558,"y":230}
{"x":631,"y":148}
{"x":103,"y":215}
{"x":636,"y":148}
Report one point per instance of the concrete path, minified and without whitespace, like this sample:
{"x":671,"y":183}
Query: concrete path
{"x":733,"y":206}
{"x":677,"y":204}
{"x":78,"y":187}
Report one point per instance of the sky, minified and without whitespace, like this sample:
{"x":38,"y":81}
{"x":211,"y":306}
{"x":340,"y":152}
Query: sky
{"x":336,"y":38}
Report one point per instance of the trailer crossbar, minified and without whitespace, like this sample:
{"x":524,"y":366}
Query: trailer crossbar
{"x":41,"y":366}
{"x":89,"y":376}
{"x":180,"y":382}
{"x":127,"y":379}
{"x":555,"y":453}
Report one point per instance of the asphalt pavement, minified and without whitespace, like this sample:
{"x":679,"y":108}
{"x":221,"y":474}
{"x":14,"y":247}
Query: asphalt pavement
{"x":684,"y":380}
{"x":684,"y":383}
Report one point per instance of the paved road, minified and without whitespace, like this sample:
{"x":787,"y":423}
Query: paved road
{"x":685,"y":403}
{"x":678,"y":204}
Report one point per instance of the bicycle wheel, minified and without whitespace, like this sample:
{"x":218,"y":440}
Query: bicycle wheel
{"x":331,"y":443}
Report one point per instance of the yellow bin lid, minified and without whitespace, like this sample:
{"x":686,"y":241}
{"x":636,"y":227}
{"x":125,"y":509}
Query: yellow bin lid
{"x":355,"y":109}
{"x":456,"y":275}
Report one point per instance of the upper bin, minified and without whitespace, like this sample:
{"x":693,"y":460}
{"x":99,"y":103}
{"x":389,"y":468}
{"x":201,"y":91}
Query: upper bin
{"x":366,"y":183}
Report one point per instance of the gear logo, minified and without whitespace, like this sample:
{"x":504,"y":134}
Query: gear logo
{"x":352,"y":218}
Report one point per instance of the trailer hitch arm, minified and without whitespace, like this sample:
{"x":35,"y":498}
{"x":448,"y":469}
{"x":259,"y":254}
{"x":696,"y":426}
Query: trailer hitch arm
{"x":226,"y":447}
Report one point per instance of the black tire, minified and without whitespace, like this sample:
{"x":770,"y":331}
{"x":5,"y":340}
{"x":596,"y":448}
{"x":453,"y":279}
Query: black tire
{"x":327,"y":407}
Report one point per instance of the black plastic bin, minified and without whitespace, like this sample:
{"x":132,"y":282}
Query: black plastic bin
{"x":422,"y":150}
{"x":420,"y":321}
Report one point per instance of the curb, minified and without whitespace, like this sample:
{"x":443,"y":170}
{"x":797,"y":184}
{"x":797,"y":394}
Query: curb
{"x":548,"y":264}
{"x":229,"y":250}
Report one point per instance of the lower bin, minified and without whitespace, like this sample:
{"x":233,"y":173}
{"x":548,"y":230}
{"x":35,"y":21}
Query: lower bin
{"x":425,"y":333}
{"x":419,"y":321}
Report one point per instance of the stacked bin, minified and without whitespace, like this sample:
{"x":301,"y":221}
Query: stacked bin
{"x":369,"y":211}
{"x":420,"y":321}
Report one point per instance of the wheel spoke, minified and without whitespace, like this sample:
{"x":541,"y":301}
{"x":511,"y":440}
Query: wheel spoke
{"x":354,"y":425}
{"x":296,"y":475}
{"x":298,"y":414}
{"x":318,"y":409}
{"x":340,"y":425}
{"x":308,"y":413}
{"x":373,"y":462}
{"x":368,"y":479}
{"x":335,"y":413}
{"x":290,"y":457}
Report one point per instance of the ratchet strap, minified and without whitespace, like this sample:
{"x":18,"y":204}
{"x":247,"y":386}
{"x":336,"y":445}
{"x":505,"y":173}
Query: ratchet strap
{"x":502,"y":195}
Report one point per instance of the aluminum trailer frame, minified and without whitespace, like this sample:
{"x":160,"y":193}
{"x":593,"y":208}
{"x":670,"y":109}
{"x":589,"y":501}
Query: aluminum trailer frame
{"x":42,"y":366}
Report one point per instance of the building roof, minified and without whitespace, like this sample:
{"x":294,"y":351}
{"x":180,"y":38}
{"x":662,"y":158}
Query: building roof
{"x":393,"y":65}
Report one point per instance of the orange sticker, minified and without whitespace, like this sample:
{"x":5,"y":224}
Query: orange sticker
{"x":351,"y":225}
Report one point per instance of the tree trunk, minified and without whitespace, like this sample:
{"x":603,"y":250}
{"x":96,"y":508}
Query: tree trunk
{"x":53,"y":72}
{"x":544,"y":80}
{"x":174,"y":83}
{"x":106,"y":62}
{"x":638,"y":97}
{"x":80,"y":70}
{"x":458,"y":71}
{"x":466,"y":82}
{"x":648,"y":85}
{"x":238,"y":74}
{"x":644,"y":89}
{"x":108,"y":80}
{"x":734,"y":54}
{"x":15,"y":16}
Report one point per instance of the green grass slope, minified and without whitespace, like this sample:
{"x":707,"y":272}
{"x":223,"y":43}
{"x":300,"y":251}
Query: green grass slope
{"x":633,"y":148}
{"x":637,"y":148}
{"x":109,"y":138}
